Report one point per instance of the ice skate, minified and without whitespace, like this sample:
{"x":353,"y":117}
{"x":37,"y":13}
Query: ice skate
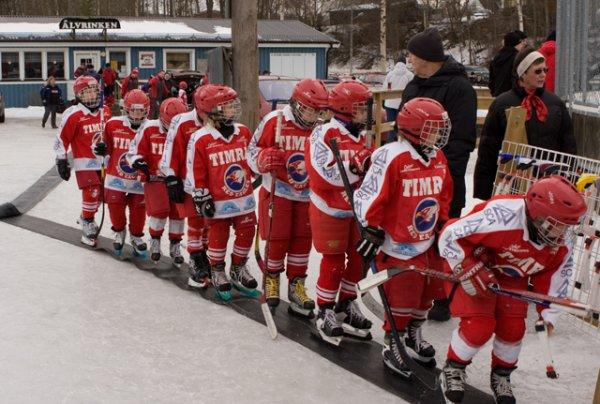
{"x":500,"y":383}
{"x":175,"y":252}
{"x":220,"y":282}
{"x":199,"y":269}
{"x":453,"y":378}
{"x":242,"y":280}
{"x":422,"y":351}
{"x":329,"y":327}
{"x":300,"y":303}
{"x":392,"y":358}
{"x":272,"y":290}
{"x":89,"y":231}
{"x":354,"y":322}
{"x":155,"y":252}
{"x":140,"y":249}
{"x":119,"y":241}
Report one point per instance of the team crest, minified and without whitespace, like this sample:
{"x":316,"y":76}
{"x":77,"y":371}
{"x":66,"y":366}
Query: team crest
{"x":296,"y":169}
{"x":235,"y":178}
{"x":426,"y":215}
{"x":124,"y":167}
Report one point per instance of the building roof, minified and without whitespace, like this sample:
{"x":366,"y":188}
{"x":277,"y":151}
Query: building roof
{"x":158,"y":29}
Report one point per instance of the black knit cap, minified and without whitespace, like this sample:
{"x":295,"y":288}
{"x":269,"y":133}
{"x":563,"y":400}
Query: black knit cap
{"x":512,"y":39}
{"x":427,"y":45}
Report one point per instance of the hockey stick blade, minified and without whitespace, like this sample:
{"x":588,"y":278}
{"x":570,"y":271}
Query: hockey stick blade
{"x":370,"y":282}
{"x":269,"y":320}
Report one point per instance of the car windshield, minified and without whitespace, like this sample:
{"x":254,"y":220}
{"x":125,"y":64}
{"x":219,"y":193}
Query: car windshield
{"x":277,"y":89}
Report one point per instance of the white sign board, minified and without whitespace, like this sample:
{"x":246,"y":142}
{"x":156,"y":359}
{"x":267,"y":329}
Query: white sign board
{"x":299,"y":65}
{"x":147,"y":59}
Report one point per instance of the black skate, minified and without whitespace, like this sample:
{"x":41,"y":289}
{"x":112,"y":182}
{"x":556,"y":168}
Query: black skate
{"x":329,"y":327}
{"x":119,"y":241}
{"x":355,"y":324}
{"x":421,"y":351}
{"x":140,"y":249}
{"x":155,"y":252}
{"x":300,"y":303}
{"x":89,"y":231}
{"x":175,"y":252}
{"x":243,"y":281}
{"x":453,"y":378}
{"x":500,"y":383}
{"x":392,"y":359}
{"x":199,"y":269}
{"x":272,"y":291}
{"x":220,"y":281}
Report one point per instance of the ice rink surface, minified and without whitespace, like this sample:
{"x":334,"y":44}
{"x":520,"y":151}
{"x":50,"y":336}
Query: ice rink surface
{"x":79,"y":326}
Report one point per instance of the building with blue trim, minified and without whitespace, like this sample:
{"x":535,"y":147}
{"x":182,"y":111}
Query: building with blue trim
{"x":32,"y":48}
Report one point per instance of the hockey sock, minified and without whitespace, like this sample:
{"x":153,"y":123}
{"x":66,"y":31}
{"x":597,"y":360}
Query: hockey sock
{"x":175,"y":229}
{"x":137,"y":213}
{"x":90,"y":200}
{"x":276,"y":252}
{"x":473,"y":332}
{"x":507,"y":341}
{"x":297,"y":259}
{"x":244,"y":227}
{"x":330,"y":276}
{"x":156,"y":226}
{"x":194,"y":233}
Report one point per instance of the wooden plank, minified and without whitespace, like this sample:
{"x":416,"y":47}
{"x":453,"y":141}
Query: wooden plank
{"x":515,"y":125}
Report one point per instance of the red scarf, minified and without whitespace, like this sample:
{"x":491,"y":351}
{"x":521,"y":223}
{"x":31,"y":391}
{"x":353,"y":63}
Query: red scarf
{"x":533,"y":101}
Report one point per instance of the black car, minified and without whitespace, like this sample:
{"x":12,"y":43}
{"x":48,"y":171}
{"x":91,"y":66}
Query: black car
{"x":192,"y":78}
{"x":478,"y":75}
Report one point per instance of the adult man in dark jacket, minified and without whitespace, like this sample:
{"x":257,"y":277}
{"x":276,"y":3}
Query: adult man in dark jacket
{"x":548,"y":125}
{"x":501,"y":65}
{"x":51,"y":100}
{"x":130,"y":82}
{"x":442,"y":78}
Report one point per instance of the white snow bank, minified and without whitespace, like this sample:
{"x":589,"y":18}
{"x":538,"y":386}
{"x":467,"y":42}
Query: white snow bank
{"x":29,"y":112}
{"x":127,"y":27}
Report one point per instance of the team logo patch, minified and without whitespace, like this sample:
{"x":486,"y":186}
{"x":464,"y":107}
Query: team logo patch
{"x":124,"y":166}
{"x":235,"y":178}
{"x":296,"y":169}
{"x":426,"y":215}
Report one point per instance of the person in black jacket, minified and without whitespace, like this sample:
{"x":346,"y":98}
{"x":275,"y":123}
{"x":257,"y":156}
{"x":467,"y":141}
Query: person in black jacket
{"x":547,"y":122}
{"x":442,"y":78}
{"x":502,"y":65}
{"x":51,"y":99}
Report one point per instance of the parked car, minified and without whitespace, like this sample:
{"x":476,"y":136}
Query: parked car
{"x":478,"y":75}
{"x":372,"y":80}
{"x":275,"y":91}
{"x":191,"y":77}
{"x":2,"y":105}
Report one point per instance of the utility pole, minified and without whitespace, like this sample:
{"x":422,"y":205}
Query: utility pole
{"x":244,"y":42}
{"x":382,"y":37}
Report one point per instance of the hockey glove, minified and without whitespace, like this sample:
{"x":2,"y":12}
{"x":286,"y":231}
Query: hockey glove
{"x":175,"y":189}
{"x":203,"y":202}
{"x":64,"y":169}
{"x":271,"y":159}
{"x":372,"y":239}
{"x":100,"y":149}
{"x":141,"y":165}
{"x":360,"y":162}
{"x":474,"y":277}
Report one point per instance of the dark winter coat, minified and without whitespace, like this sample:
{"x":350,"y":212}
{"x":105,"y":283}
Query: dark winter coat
{"x":452,"y":89}
{"x":501,"y":70}
{"x":51,"y":95}
{"x":554,"y":134}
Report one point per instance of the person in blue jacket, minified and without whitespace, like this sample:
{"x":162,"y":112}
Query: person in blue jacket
{"x":51,"y":99}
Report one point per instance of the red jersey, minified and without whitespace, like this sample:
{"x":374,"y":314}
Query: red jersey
{"x":294,"y":184}
{"x":120,"y":176}
{"x":326,"y":187}
{"x":500,"y":225}
{"x":81,"y":130}
{"x":178,"y":137}
{"x":219,"y":166}
{"x":148,"y":144}
{"x":406,"y":196}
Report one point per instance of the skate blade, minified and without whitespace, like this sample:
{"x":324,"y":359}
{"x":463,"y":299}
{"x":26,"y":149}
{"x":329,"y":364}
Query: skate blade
{"x":334,"y":341}
{"x":199,"y":285}
{"x":224,"y":295}
{"x":296,"y":310}
{"x":357,"y":333}
{"x":246,"y":291}
{"x":389,"y":365}
{"x":269,"y":322}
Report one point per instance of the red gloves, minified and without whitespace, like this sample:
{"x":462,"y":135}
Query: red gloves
{"x":360,"y":162}
{"x":271,"y":159}
{"x":474,"y":276}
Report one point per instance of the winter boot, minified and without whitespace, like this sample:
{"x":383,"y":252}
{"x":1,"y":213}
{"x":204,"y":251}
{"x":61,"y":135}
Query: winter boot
{"x":119,"y":241}
{"x":440,"y":310}
{"x":453,"y":378}
{"x":355,"y":323}
{"x":329,"y":327}
{"x":424,"y":353}
{"x":155,"y":252}
{"x":175,"y":252}
{"x":272,"y":290}
{"x":391,"y":356}
{"x":140,"y":248}
{"x":220,"y":281}
{"x":199,"y":269}
{"x":300,"y":303}
{"x":500,"y":383}
{"x":89,"y":231}
{"x":242,"y":280}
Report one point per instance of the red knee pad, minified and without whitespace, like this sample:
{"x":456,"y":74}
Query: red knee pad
{"x":477,"y":330}
{"x":282,"y":216}
{"x":86,"y":179}
{"x":510,"y":329}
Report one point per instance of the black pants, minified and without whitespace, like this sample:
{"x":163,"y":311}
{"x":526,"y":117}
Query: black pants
{"x":50,"y":109}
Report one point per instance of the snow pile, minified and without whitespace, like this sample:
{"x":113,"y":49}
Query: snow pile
{"x":25,"y":113}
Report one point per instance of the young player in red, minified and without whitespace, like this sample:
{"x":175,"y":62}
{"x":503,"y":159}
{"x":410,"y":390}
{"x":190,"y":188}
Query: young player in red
{"x":285,"y":161}
{"x":172,"y":166}
{"x":122,"y":189}
{"x":402,"y":202}
{"x":524,"y":240}
{"x":81,"y":129}
{"x":333,"y":227}
{"x":220,"y":183}
{"x":145,"y":153}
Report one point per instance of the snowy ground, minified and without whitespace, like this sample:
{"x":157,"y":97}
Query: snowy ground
{"x":91,"y":329}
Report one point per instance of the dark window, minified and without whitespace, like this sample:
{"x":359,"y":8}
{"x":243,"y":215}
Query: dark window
{"x":10,"y":65}
{"x":56,"y":64}
{"x":33,"y":65}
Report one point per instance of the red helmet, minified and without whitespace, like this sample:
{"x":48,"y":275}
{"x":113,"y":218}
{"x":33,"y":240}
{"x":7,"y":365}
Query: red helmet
{"x":553,"y":205}
{"x":348,"y":98}
{"x":183,"y":85}
{"x":87,"y":90}
{"x":136,"y":105}
{"x":424,"y":121}
{"x":219,"y":102}
{"x":168,"y":109}
{"x":309,"y":100}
